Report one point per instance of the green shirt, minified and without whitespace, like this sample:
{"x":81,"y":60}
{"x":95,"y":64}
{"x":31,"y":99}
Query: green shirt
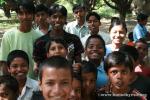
{"x":14,"y":39}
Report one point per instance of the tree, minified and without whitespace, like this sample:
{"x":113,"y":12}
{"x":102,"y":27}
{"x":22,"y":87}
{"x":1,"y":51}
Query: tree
{"x":122,"y":6}
{"x":11,"y":5}
{"x":89,"y":4}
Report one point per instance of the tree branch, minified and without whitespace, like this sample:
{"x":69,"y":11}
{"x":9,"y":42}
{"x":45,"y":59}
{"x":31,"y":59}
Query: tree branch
{"x":111,"y":6}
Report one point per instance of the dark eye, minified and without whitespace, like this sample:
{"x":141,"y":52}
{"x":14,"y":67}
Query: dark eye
{"x":114,"y":72}
{"x":65,"y":83}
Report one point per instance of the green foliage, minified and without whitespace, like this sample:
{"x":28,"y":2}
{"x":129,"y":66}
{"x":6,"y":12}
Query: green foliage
{"x":2,"y":1}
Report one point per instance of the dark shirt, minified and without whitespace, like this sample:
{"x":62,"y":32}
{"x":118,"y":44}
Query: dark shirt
{"x":142,"y":84}
{"x":75,"y":47}
{"x":37,"y":96}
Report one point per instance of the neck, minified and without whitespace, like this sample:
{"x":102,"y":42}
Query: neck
{"x":81,"y":22}
{"x":44,"y":28}
{"x":116,"y":46}
{"x":21,"y":84}
{"x":57,"y":33}
{"x":96,"y":62}
{"x":24,"y":29}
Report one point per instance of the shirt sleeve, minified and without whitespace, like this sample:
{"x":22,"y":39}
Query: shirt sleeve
{"x":5,"y":48}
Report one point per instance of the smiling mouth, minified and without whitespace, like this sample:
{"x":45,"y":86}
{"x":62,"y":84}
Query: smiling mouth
{"x":57,"y":98}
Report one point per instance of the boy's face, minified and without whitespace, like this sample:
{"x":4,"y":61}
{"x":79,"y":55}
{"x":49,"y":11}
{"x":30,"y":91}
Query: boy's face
{"x":142,"y":49}
{"x":19,"y":68}
{"x":93,"y":24}
{"x":76,"y":90}
{"x":94,"y":50}
{"x":57,"y":49}
{"x":89,"y":83}
{"x":5,"y":93}
{"x":41,"y":17}
{"x":119,"y":77}
{"x":56,"y":83}
{"x":25,"y":17}
{"x":79,"y":14}
{"x":57,"y":20}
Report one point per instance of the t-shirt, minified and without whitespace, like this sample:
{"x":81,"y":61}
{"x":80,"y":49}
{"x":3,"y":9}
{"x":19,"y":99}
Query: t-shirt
{"x":139,"y":31}
{"x":142,"y":84}
{"x":74,"y":28}
{"x":74,"y":46}
{"x":14,"y":39}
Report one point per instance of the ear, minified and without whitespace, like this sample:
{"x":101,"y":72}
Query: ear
{"x":8,"y":68}
{"x":40,"y":85}
{"x":99,"y":23}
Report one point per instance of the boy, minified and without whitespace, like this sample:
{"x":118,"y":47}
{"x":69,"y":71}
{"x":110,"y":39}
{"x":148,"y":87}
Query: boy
{"x":21,"y":37}
{"x":57,"y":18}
{"x":94,"y":23}
{"x":79,"y":26}
{"x":140,"y":30}
{"x":55,"y":78}
{"x":41,"y":19}
{"x":89,"y":76}
{"x":9,"y":88}
{"x":119,"y":66}
{"x":18,"y":67}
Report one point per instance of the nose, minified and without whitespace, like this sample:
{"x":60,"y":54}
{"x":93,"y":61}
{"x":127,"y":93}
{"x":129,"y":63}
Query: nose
{"x":88,"y":83}
{"x":72,"y":94}
{"x":57,"y":90}
{"x":119,"y":75}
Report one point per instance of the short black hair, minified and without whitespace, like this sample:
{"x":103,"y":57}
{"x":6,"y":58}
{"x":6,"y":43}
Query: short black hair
{"x":142,"y":16}
{"x":57,"y":40}
{"x":131,"y":50}
{"x":26,"y":4}
{"x":78,"y":6}
{"x":11,"y":83}
{"x":118,"y":58}
{"x":88,"y":67}
{"x":57,"y":62}
{"x":96,"y":36}
{"x":141,"y":40}
{"x":41,"y":7}
{"x":17,"y":53}
{"x":54,"y":8}
{"x":93,"y":14}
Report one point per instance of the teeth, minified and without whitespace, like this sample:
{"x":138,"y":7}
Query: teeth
{"x":57,"y":98}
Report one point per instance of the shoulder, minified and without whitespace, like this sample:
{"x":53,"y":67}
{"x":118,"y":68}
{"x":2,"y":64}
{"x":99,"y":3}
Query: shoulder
{"x":71,"y":36}
{"x":32,"y":84}
{"x":72,"y":23}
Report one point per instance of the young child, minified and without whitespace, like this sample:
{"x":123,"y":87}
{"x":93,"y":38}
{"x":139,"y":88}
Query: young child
{"x":118,"y":66}
{"x":57,"y":46}
{"x":9,"y":88}
{"x":18,"y":67}
{"x":55,"y":78}
{"x":117,"y":32}
{"x":41,"y":19}
{"x":89,"y":76}
{"x":95,"y":51}
{"x":77,"y":84}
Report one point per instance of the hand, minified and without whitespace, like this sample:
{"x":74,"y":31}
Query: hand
{"x":77,"y":67}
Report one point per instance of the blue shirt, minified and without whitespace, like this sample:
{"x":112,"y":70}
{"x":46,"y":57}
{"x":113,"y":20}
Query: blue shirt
{"x":102,"y":78}
{"x":139,"y":31}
